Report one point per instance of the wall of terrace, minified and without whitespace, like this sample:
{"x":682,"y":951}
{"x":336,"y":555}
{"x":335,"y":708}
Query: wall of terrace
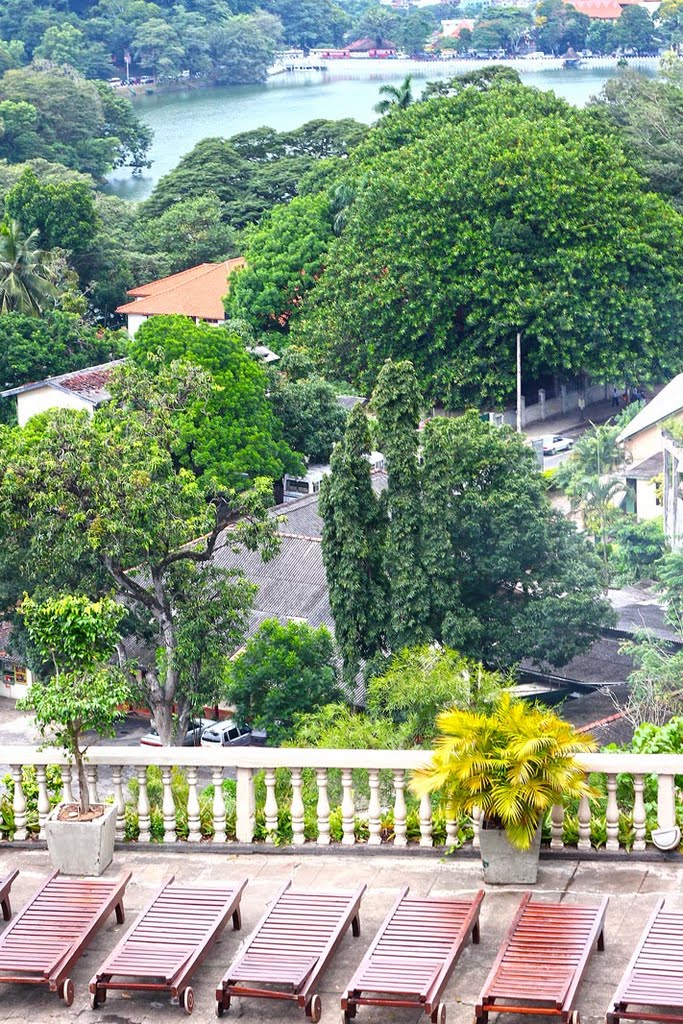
{"x":315,"y":796}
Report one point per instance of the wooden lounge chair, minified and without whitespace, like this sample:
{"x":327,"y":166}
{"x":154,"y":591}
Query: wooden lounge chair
{"x":46,"y":938}
{"x":654,"y":977}
{"x":543,"y":959}
{"x":291,"y":947}
{"x":169,"y":940}
{"x":5,"y":886}
{"x":414,"y":954}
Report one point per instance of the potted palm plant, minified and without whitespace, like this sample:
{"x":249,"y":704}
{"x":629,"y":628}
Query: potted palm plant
{"x":82,"y":693}
{"x":510,"y":766}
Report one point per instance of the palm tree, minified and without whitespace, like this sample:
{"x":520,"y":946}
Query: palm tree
{"x":397,"y":98}
{"x":25,"y":285}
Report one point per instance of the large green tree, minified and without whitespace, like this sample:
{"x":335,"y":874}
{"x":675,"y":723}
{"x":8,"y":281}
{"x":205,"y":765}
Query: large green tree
{"x":354,"y":530}
{"x":63,"y":212}
{"x":231,"y":435}
{"x":487,"y":213}
{"x":99,"y":502}
{"x":648,"y":113}
{"x":25,"y":283}
{"x":498,"y":575}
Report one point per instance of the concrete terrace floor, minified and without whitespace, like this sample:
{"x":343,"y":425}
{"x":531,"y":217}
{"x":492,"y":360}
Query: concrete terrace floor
{"x":633,"y":888}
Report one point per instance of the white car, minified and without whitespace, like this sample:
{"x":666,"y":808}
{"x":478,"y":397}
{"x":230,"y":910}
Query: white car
{"x":229,"y":734}
{"x":193,"y":736}
{"x":553,"y":444}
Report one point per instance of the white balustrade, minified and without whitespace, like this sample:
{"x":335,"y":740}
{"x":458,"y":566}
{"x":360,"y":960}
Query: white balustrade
{"x":297,"y":808}
{"x":322,"y":808}
{"x":115,"y":765}
{"x":43,"y":798}
{"x":270,"y":808}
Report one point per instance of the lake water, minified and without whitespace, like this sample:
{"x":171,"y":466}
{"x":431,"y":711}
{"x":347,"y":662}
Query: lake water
{"x":286,"y":101}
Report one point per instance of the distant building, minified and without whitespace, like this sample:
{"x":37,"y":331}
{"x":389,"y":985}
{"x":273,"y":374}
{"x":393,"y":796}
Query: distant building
{"x":673,"y":491}
{"x":16,"y":678}
{"x":642,"y":437}
{"x":81,"y":389}
{"x":368,"y":47}
{"x":197,"y":293}
{"x":610,"y":10}
{"x":452,"y":27}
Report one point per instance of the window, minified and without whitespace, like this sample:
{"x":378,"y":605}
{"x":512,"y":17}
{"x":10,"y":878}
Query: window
{"x":297,"y":486}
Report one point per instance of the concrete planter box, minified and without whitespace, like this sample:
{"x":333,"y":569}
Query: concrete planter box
{"x":503,"y":863}
{"x":81,"y":847}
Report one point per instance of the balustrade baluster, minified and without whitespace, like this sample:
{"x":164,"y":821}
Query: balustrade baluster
{"x":374,"y":809}
{"x":168,"y":805}
{"x":143,"y":806}
{"x":323,"y":807}
{"x":639,"y":817}
{"x":194,"y":824}
{"x":297,"y":808}
{"x":91,"y":779}
{"x":451,"y":830}
{"x":399,"y":808}
{"x":19,"y":803}
{"x":117,"y":779}
{"x":666,"y":801}
{"x":556,"y":824}
{"x":612,"y":814}
{"x":584,"y":842}
{"x":67,"y":784}
{"x":270,"y":807}
{"x":219,"y":835}
{"x":476,"y":825}
{"x":348,"y":809}
{"x":426,"y":820}
{"x":43,"y":798}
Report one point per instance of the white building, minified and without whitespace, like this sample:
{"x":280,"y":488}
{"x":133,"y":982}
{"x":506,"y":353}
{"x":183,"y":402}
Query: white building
{"x":81,"y":389}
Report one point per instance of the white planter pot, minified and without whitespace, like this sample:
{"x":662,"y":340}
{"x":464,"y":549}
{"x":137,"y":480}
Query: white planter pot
{"x":81,"y":847}
{"x":503,"y":863}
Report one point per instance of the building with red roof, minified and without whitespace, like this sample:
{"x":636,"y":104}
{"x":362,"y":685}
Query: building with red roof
{"x":197,"y":293}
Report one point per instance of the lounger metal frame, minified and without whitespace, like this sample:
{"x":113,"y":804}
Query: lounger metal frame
{"x":32,"y":954}
{"x":404,"y":966}
{"x":654,"y":976}
{"x":295,"y":980}
{"x":156,"y":957}
{"x":5,"y":886}
{"x":541,"y":943}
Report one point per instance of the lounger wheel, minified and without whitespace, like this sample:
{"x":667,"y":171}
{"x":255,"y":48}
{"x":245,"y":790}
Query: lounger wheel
{"x":188,"y":1000}
{"x":575,"y":1017}
{"x":222,"y":1006}
{"x":68,"y":991}
{"x":314,"y":1009}
{"x":440,"y":1017}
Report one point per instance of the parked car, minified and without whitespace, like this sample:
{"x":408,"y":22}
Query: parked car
{"x":193,"y":736}
{"x":146,"y":80}
{"x":115,"y":83}
{"x":229,"y":734}
{"x":553,"y":444}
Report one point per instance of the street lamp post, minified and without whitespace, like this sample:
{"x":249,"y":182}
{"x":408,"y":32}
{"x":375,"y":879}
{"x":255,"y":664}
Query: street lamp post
{"x":519,"y":382}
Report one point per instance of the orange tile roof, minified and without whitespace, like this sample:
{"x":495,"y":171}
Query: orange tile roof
{"x":607,"y":10}
{"x":196,"y":292}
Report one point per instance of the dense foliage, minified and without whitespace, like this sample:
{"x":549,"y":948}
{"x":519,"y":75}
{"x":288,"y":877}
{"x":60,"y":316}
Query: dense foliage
{"x":476,"y":557}
{"x":231,"y":435}
{"x":488,"y":212}
{"x":282,"y":671}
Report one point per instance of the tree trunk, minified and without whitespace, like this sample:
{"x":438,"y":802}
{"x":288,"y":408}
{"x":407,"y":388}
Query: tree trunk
{"x":83,"y":793}
{"x":184,"y":707}
{"x":162,"y":716}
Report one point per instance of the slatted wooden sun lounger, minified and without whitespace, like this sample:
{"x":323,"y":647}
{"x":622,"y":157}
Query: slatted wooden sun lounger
{"x":654,"y":977}
{"x":170,"y":939}
{"x":5,"y":886}
{"x":543,"y":959}
{"x":291,"y":947}
{"x":414,"y":954}
{"x":46,"y":938}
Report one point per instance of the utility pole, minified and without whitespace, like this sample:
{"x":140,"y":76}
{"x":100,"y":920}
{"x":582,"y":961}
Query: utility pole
{"x":519,"y":382}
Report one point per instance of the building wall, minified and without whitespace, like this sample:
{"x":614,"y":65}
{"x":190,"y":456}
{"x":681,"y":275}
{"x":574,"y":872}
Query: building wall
{"x":134,"y":321}
{"x":645,"y":443}
{"x":673,"y":493}
{"x":15,"y":680}
{"x":646,"y":501}
{"x":30,"y":403}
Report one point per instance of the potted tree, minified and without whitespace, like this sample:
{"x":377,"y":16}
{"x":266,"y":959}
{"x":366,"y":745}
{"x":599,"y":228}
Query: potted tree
{"x":510,"y":766}
{"x":82,"y":693}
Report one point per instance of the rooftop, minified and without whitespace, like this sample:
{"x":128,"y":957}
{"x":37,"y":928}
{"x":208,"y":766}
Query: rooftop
{"x":608,"y":10}
{"x":90,"y":383}
{"x":632,"y":885}
{"x":668,"y":402}
{"x":197,"y":292}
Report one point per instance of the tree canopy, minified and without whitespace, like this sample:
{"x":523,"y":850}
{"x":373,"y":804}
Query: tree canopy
{"x":231,"y":435}
{"x":486,"y":213}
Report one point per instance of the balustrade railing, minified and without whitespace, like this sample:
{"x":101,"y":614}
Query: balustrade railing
{"x":283,"y":795}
